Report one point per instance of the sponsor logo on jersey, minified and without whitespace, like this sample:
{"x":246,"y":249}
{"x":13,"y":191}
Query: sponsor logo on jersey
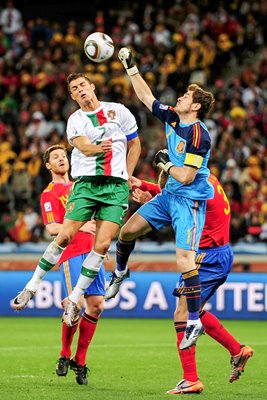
{"x":48,"y":206}
{"x":180,"y":147}
{"x":70,"y":207}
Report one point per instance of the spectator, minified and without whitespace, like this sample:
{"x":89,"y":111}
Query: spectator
{"x":11,"y":20}
{"x":38,"y":126}
{"x":167,"y":37}
{"x":20,"y":232}
{"x":20,"y":185}
{"x":231,"y":173}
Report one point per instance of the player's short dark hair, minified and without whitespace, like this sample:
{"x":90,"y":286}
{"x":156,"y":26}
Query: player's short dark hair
{"x":74,"y":76}
{"x":206,"y":99}
{"x":50,"y":149}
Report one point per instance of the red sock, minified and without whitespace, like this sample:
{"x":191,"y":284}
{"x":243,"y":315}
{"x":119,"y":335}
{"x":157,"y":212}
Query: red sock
{"x":66,"y":338}
{"x":215,"y":329}
{"x":187,"y":356}
{"x":87,"y":329}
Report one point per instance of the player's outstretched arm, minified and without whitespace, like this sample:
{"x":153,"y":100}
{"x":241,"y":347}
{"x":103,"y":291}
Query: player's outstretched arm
{"x":141,"y":88}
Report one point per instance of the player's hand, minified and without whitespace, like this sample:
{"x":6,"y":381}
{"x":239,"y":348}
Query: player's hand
{"x":177,"y":292}
{"x":162,"y":160}
{"x":106,"y":145}
{"x":89,"y":227}
{"x":141,"y":197}
{"x":134,"y":182}
{"x":126,"y":57}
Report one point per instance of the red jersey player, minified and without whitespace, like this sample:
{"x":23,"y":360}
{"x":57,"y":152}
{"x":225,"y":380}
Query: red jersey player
{"x":214,"y":260}
{"x":53,"y":205}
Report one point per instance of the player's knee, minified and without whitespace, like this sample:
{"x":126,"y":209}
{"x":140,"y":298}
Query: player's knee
{"x":185,"y":260}
{"x":102,"y":247}
{"x":95,"y":308}
{"x":127,"y":233}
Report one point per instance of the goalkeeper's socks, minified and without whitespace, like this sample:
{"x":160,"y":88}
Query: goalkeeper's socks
{"x":192,"y":291}
{"x":187,"y":356}
{"x":123,"y":252}
{"x":216,"y":330}
{"x":87,"y":329}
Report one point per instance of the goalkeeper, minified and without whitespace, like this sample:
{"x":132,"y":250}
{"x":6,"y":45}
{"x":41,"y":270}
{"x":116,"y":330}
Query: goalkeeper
{"x":214,"y":260}
{"x":183,"y":201}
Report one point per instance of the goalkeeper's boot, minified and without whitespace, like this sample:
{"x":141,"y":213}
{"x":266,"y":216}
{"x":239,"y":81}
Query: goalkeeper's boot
{"x":22,"y":299}
{"x":115,"y":284}
{"x":71,"y":312}
{"x":192,"y":333}
{"x":238,"y":362}
{"x":81,"y":372}
{"x":185,"y":386}
{"x":62,"y":366}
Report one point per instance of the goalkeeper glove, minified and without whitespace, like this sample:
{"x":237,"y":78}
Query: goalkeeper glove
{"x":126,"y":57}
{"x":162,"y":160}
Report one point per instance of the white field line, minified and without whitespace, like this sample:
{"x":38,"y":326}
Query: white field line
{"x":120,"y":346}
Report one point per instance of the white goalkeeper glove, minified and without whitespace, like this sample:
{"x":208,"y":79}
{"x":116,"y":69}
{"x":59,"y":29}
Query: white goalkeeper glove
{"x":126,"y":57}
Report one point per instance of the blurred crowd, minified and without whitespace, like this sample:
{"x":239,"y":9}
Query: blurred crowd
{"x":220,"y":46}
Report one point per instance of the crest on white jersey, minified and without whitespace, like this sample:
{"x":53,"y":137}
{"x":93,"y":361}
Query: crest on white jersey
{"x":48,"y":206}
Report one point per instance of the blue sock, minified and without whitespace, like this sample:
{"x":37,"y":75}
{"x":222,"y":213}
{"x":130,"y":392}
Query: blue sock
{"x":192,"y":291}
{"x":123,"y":252}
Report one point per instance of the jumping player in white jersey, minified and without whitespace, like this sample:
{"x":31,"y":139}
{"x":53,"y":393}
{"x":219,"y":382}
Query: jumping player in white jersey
{"x":106,"y":150}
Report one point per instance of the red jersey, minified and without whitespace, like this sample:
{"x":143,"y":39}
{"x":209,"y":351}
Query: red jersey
{"x":217,"y":223}
{"x":53,"y":204}
{"x":218,"y":215}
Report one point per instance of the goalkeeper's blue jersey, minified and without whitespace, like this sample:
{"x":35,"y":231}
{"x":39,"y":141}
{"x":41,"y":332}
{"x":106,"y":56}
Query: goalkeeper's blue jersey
{"x":188,"y":144}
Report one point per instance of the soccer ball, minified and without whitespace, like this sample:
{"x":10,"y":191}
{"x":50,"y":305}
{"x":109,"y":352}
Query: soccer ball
{"x":98,"y":47}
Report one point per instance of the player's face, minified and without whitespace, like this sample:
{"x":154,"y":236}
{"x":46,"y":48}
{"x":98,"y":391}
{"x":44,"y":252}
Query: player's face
{"x":82,"y":91}
{"x":58,"y":162}
{"x":184,"y":103}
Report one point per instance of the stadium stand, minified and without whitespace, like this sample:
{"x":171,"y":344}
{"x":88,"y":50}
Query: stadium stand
{"x":219,"y":46}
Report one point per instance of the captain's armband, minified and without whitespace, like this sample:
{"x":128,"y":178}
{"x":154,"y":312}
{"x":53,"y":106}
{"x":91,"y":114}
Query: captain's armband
{"x":193,"y":160}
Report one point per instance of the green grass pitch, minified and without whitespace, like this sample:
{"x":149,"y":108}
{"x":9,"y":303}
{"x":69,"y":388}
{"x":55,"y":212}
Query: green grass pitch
{"x":129,"y":359}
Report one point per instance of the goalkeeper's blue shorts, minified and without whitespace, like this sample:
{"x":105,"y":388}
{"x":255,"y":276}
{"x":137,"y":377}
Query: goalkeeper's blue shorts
{"x":186,"y":216}
{"x":70,"y":272}
{"x":213,"y":266}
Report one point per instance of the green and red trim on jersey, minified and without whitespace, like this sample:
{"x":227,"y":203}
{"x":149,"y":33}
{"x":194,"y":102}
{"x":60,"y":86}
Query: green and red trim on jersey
{"x":103,"y":160}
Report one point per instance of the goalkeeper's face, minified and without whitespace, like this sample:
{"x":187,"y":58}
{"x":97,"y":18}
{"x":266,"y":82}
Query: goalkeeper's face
{"x":185,"y":104}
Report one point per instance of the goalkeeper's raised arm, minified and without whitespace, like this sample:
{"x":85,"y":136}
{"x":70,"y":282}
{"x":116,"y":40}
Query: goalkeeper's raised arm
{"x":141,"y":88}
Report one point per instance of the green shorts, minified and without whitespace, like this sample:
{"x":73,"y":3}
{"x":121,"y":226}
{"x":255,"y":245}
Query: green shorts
{"x":104,"y":198}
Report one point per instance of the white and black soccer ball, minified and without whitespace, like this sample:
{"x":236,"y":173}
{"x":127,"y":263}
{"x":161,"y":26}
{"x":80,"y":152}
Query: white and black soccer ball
{"x":98,"y":47}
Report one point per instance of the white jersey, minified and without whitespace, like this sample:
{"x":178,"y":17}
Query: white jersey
{"x":111,"y":121}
